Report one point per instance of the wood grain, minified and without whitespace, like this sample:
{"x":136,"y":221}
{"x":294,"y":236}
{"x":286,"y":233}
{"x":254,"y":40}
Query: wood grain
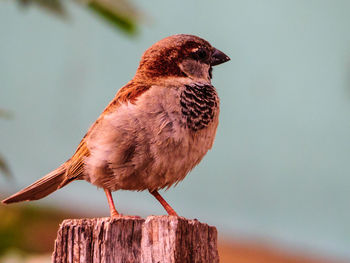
{"x":163,"y":239}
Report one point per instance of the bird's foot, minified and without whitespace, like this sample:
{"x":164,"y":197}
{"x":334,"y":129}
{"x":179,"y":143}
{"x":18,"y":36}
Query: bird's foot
{"x":115,"y":214}
{"x":171,"y":212}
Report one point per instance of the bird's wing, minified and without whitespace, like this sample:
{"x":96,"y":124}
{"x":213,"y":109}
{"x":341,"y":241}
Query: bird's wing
{"x":75,"y":165}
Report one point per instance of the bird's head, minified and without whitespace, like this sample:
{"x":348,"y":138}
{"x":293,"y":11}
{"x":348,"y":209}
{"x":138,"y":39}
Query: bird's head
{"x":180,"y":56}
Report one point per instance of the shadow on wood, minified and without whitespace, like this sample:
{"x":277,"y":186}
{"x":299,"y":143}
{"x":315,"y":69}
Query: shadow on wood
{"x":163,"y":239}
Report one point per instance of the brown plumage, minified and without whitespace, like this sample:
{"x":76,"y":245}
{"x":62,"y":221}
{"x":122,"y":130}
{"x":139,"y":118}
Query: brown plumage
{"x":156,"y":129}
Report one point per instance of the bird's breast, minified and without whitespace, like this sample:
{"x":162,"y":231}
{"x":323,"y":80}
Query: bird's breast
{"x":155,"y":142}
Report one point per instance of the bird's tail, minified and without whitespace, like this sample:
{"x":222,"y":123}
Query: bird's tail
{"x":40,"y":188}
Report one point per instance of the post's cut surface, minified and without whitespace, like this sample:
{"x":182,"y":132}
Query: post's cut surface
{"x":163,"y":239}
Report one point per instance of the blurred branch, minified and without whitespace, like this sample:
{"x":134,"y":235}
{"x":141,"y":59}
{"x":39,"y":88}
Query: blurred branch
{"x":120,"y":14}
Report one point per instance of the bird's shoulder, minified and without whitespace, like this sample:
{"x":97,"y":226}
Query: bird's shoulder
{"x":127,"y":94}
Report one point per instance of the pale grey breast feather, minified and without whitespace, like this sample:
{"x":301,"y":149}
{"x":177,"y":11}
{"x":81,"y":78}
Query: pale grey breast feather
{"x":198,"y":105}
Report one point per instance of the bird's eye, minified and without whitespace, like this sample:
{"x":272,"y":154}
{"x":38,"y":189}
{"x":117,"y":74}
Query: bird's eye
{"x":200,"y":54}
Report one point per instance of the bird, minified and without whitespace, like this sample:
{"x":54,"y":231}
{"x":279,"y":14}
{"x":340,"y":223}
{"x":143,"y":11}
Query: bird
{"x":155,"y":130}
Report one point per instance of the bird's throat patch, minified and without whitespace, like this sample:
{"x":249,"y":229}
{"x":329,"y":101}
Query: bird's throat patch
{"x":199,"y":103}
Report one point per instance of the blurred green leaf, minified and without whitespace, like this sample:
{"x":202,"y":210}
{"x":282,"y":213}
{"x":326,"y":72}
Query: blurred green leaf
{"x":119,"y":13}
{"x":114,"y":15}
{"x":53,"y":6}
{"x":5,"y":114}
{"x":3,"y":165}
{"x":4,"y":168}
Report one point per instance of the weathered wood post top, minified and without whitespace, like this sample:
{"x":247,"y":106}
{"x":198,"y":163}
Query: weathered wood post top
{"x":158,"y":239}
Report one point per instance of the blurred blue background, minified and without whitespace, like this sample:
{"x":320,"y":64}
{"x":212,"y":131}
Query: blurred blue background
{"x":279,"y":169}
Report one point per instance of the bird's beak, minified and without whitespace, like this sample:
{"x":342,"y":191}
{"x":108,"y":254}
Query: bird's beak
{"x":218,"y":57}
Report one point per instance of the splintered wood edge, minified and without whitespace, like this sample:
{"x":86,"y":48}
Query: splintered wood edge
{"x":83,"y":221}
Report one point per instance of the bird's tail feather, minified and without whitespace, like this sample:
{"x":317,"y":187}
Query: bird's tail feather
{"x":41,"y":188}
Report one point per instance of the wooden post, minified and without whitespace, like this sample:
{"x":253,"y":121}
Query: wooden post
{"x":158,"y":239}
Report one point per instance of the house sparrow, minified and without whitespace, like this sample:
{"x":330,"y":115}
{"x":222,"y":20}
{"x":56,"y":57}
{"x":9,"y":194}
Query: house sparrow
{"x":154,"y":132}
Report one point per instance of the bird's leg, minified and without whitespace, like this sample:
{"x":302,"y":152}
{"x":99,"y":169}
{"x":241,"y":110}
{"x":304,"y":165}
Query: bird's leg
{"x":113,"y":211}
{"x":161,"y":200}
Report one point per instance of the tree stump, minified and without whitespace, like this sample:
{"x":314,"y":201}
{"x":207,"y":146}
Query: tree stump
{"x":158,"y":239}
